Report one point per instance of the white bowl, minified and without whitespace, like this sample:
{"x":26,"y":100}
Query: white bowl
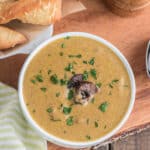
{"x":58,"y":140}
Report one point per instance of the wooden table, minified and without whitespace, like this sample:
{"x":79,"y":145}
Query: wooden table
{"x":129,"y":34}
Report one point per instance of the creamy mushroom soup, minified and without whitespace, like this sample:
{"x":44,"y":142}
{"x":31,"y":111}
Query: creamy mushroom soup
{"x":77,"y":89}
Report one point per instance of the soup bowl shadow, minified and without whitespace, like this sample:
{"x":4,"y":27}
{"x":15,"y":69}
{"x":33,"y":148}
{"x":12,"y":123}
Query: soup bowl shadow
{"x":57,"y":140}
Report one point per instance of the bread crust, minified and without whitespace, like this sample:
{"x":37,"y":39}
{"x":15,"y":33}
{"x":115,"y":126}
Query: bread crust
{"x":10,"y":38}
{"x":41,"y":12}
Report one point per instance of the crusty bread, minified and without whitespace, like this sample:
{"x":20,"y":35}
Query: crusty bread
{"x":48,"y":12}
{"x":13,"y":9}
{"x":41,"y":12}
{"x":9,"y":38}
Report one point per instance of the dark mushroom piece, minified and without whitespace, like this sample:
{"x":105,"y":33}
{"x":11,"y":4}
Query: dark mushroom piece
{"x":75,"y":81}
{"x":84,"y":92}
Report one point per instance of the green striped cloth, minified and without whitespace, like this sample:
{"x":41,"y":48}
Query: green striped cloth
{"x":15,"y":132}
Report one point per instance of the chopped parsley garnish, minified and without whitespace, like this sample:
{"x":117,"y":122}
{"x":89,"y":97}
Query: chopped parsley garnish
{"x":63,"y":45}
{"x":54,"y":79}
{"x":69,"y":67}
{"x":111,"y":85}
{"x":93,"y":100}
{"x":88,"y":137}
{"x":114,"y":81}
{"x":73,"y":56}
{"x":57,"y":94}
{"x":39,"y":78}
{"x":54,"y":119}
{"x":103,"y":106}
{"x":67,"y":37}
{"x":87,"y":121}
{"x":61,"y":53}
{"x":85,"y":75}
{"x":69,"y":121}
{"x":73,"y":72}
{"x":99,"y":84}
{"x":49,"y":110}
{"x":67,"y":110}
{"x":33,"y":81}
{"x":70,"y":94}
{"x":92,"y":61}
{"x":105,"y":127}
{"x":49,"y":71}
{"x":85,"y":62}
{"x":63,"y":82}
{"x":44,"y":89}
{"x":93,"y":73}
{"x":96,"y":124}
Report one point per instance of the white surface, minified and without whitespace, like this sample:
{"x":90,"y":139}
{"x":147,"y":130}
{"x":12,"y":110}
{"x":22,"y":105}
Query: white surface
{"x":57,"y":140}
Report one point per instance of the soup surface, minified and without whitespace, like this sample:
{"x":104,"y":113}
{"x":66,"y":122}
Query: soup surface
{"x":50,"y":101}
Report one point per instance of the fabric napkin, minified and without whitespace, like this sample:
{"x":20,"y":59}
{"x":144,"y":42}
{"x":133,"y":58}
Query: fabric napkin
{"x":15,"y":132}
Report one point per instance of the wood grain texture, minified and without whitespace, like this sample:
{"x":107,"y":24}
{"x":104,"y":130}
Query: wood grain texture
{"x":129,"y":34}
{"x":139,"y":141}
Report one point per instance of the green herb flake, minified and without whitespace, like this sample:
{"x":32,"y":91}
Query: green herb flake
{"x":96,"y":124}
{"x":49,"y":110}
{"x":85,"y":75}
{"x":49,"y":71}
{"x":63,"y":45}
{"x":63,"y":82}
{"x":103,"y":107}
{"x":33,"y":110}
{"x":54,"y":79}
{"x":69,"y":67}
{"x":114,"y":81}
{"x":54,"y":119}
{"x":111,"y":85}
{"x":88,"y":137}
{"x":105,"y":127}
{"x":87,"y":121}
{"x":85,"y":62}
{"x":70,"y":94}
{"x":39,"y":78}
{"x":67,"y":37}
{"x":33,"y":81}
{"x":93,"y":73}
{"x":73,"y":72}
{"x":67,"y":110}
{"x":75,"y":56}
{"x":69,"y":121}
{"x":99,"y":84}
{"x":57,"y":94}
{"x":49,"y":54}
{"x":61,"y":53}
{"x":93,"y":100}
{"x":92,"y":61}
{"x":43,"y":89}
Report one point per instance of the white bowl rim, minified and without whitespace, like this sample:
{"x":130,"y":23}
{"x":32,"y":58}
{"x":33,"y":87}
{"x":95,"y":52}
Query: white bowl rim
{"x":52,"y":138}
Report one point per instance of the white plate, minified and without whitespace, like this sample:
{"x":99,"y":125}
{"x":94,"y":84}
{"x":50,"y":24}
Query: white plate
{"x":36,"y":35}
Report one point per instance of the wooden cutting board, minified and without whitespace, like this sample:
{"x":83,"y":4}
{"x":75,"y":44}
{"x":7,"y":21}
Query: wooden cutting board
{"x":129,"y":34}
